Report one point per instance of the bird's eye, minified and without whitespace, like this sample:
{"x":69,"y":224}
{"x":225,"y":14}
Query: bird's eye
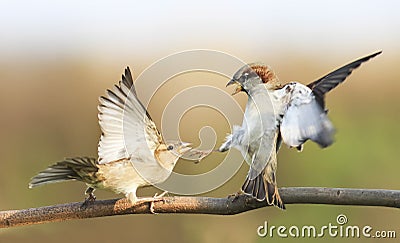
{"x":170,"y":147}
{"x":245,"y":76}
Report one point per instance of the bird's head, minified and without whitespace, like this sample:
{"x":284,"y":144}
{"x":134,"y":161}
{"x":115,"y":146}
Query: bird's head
{"x":252,"y":75}
{"x":178,"y":147}
{"x":168,"y":153}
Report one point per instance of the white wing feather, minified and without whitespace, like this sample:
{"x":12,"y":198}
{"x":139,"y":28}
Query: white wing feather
{"x":127,"y":130}
{"x":305,"y":119}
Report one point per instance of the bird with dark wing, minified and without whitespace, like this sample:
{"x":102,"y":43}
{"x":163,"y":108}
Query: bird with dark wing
{"x":292,"y":113}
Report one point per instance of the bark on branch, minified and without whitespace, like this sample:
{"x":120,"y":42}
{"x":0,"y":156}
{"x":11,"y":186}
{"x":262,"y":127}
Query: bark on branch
{"x":199,"y":205}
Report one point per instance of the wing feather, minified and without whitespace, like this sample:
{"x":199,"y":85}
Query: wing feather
{"x":125,"y":124}
{"x":305,"y":119}
{"x":328,"y":82}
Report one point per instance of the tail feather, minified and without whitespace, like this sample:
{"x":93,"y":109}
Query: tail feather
{"x":79,"y":168}
{"x":262,"y":190}
{"x":271,"y":192}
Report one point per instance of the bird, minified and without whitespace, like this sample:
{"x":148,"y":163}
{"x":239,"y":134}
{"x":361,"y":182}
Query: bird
{"x":132,"y":153}
{"x":291,"y":113}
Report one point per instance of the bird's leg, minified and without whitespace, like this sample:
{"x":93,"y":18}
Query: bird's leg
{"x":132,"y":197}
{"x":134,"y":200}
{"x":157,"y":198}
{"x":90,"y":197}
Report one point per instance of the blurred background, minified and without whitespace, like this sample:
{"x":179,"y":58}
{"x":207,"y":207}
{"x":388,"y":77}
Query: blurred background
{"x":57,"y":58}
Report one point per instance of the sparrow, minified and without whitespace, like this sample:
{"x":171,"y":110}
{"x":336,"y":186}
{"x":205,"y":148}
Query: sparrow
{"x":131,"y":153}
{"x":291,"y":113}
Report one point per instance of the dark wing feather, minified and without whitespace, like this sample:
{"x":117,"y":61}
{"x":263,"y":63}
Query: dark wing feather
{"x":323,"y":85}
{"x":127,"y":80}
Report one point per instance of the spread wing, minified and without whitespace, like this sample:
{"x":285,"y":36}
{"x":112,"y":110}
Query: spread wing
{"x":323,"y":85}
{"x":127,"y":128}
{"x":305,"y":119}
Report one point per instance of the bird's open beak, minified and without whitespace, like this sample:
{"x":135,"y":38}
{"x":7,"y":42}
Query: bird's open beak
{"x":238,"y":86}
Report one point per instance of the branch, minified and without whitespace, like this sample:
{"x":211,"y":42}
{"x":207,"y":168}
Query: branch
{"x":199,"y":205}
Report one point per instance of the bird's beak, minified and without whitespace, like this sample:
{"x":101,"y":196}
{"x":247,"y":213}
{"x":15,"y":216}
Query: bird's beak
{"x":185,"y":147}
{"x":239,"y":87}
{"x":232,"y":81}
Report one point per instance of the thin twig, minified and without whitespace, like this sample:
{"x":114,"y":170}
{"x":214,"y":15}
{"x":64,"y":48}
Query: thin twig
{"x":199,"y":205}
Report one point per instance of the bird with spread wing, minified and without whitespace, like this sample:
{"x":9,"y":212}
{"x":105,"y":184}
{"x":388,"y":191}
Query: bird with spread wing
{"x":292,"y":113}
{"x":131,"y":153}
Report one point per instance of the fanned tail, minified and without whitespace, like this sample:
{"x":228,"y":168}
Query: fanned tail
{"x":261,"y":189}
{"x":80,"y":168}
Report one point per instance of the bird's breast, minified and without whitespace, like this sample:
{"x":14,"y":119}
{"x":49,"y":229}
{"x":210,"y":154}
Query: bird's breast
{"x":126,"y":175}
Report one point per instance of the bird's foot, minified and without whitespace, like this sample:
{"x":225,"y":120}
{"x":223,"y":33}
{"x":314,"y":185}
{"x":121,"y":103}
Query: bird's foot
{"x":151,"y":201}
{"x":89,"y":199}
{"x":157,"y":198}
{"x":235,"y":196}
